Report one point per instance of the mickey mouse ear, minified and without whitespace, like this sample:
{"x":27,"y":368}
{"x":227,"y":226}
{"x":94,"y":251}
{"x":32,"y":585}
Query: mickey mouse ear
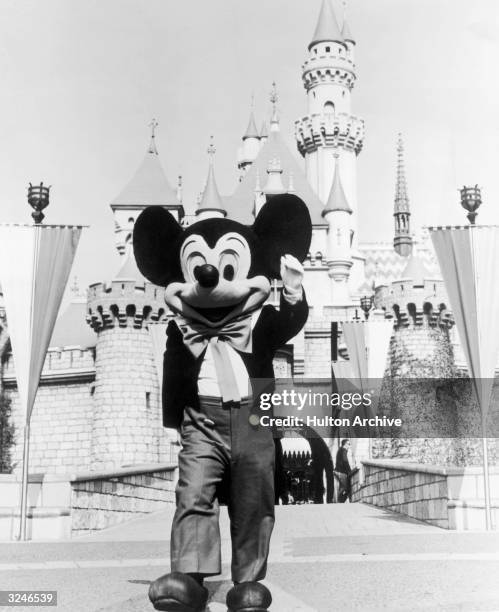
{"x":156,"y":236}
{"x":283,"y":226}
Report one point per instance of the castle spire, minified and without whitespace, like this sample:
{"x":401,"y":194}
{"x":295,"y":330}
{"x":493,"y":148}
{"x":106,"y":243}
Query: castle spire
{"x":402,"y":241}
{"x":327,"y":29}
{"x":251,"y":130}
{"x":152,"y":146}
{"x":274,"y":120}
{"x":211,"y":204}
{"x":337,"y":199}
{"x":345,"y":30}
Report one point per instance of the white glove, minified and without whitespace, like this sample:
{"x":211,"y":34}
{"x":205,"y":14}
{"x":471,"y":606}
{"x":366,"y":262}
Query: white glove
{"x":291,"y":272}
{"x":292,"y":277}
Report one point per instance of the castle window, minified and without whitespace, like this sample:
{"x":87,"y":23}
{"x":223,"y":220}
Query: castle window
{"x":148,"y":401}
{"x":131,"y":220}
{"x":328,"y":49}
{"x":315,"y":51}
{"x":329,"y":107}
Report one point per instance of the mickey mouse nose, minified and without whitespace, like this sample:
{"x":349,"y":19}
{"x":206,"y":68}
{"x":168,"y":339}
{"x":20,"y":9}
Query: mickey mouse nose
{"x":206,"y":275}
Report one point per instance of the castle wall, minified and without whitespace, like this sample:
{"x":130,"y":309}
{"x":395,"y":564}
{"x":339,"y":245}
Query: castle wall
{"x":62,"y":414}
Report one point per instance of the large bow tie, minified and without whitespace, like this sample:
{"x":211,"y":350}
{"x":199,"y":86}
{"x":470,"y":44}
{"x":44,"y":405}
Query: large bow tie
{"x":196,"y":335}
{"x":236,"y":333}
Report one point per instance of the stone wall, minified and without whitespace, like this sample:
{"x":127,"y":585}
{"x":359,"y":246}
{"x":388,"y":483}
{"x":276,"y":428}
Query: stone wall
{"x":62,"y":415}
{"x":105,"y":499}
{"x":61,"y":506}
{"x":447,"y":497}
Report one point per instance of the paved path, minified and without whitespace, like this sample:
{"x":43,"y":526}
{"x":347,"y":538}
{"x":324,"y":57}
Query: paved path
{"x":323,"y":558}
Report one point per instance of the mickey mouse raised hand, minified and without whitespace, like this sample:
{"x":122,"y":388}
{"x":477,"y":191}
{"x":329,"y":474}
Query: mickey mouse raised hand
{"x":216,"y":275}
{"x":292,"y":278}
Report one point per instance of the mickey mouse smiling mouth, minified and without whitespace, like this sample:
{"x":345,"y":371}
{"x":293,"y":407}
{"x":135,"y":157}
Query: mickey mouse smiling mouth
{"x":216,"y":288}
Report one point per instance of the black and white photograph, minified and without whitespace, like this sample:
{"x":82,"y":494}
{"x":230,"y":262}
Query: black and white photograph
{"x":249,"y":305}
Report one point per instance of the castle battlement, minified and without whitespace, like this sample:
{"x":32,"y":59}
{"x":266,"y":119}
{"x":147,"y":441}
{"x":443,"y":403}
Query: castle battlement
{"x":68,"y":364}
{"x":329,"y":130}
{"x":124,"y":302}
{"x":328,"y":68}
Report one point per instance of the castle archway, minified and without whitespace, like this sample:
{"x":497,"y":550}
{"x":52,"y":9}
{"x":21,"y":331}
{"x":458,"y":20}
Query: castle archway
{"x":306,"y":468}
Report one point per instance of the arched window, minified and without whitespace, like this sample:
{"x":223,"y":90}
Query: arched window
{"x":131,"y":220}
{"x":328,"y":49}
{"x":329,"y":107}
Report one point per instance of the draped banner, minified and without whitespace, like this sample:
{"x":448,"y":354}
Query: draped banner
{"x":468,"y":258}
{"x":35,"y":262}
{"x":157,"y":332}
{"x":367,"y":343}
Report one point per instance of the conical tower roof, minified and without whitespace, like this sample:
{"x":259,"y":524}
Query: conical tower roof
{"x":251,"y":130}
{"x":346,"y":32}
{"x":264,"y":132}
{"x":416,"y":270}
{"x":149,"y":185}
{"x":211,"y":199}
{"x":327,"y":29}
{"x":129,"y":270}
{"x":337,"y":199}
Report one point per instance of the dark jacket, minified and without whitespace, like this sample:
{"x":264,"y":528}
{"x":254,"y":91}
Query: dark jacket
{"x":273,"y":330}
{"x":342,"y":463}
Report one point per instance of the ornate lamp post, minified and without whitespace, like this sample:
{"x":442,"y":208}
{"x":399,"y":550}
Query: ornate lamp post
{"x":471,"y":199}
{"x":366,"y":303}
{"x":35,"y":262}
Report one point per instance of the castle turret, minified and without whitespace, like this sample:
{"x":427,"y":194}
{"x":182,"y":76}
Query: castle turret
{"x":210,"y":204}
{"x":402,"y":241}
{"x":274,"y":183}
{"x":337,"y":213}
{"x":148,"y":187}
{"x":126,"y":424}
{"x":420,"y":352}
{"x":250,"y":147}
{"x":329,"y":126}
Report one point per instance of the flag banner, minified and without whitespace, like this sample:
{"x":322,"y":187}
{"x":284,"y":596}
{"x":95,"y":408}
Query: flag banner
{"x":35,"y":262}
{"x":157,"y":332}
{"x":367,"y":344}
{"x":468,"y":259}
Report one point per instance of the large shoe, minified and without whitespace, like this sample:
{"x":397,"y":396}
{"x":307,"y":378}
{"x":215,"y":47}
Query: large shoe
{"x":248,"y":597}
{"x":178,"y":592}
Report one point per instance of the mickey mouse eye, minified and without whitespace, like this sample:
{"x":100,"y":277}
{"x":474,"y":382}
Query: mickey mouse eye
{"x":228,"y":272}
{"x":228,"y":265}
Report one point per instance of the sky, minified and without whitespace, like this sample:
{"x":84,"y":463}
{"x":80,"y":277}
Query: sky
{"x":81,"y":80}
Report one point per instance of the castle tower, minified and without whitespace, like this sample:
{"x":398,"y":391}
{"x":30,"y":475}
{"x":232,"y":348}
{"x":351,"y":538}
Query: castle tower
{"x":126,"y":425}
{"x":274,"y":183}
{"x":210,"y":204}
{"x":329,"y":126}
{"x":251,"y":145}
{"x":148,"y":187}
{"x":402,"y":241}
{"x":337,"y":213}
{"x":420,"y":352}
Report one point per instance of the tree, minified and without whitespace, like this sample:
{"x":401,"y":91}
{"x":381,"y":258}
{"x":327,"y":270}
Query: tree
{"x":6,"y":434}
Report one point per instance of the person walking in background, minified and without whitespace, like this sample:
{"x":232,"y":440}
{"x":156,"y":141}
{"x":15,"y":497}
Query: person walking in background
{"x":343,"y":471}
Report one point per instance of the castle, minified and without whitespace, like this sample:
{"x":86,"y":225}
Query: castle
{"x":98,"y":404}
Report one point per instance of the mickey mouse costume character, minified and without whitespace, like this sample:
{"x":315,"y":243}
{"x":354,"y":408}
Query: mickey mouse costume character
{"x":216,"y":273}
